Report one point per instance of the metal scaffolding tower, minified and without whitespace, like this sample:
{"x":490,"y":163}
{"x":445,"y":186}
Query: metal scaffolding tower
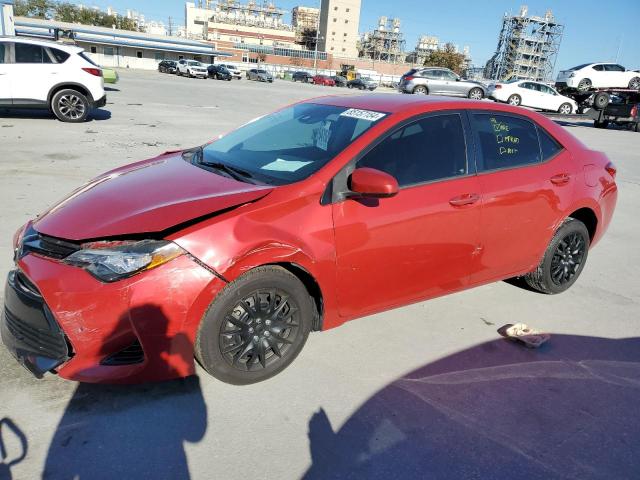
{"x":386,"y":43}
{"x":527,"y":47}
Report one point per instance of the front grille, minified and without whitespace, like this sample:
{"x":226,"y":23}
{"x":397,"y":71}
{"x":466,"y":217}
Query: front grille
{"x":129,"y":356}
{"x":45,"y":342}
{"x":34,"y":242}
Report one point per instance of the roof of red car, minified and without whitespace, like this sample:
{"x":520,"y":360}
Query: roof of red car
{"x":394,"y":103}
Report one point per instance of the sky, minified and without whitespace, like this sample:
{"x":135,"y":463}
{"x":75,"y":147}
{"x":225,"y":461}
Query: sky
{"x":595,"y":30}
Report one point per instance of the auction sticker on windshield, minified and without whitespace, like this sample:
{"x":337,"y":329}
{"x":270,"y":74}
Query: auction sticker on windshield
{"x":369,"y":115}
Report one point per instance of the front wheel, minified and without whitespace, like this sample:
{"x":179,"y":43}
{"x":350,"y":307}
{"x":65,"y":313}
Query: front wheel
{"x":70,"y":106}
{"x":565,"y":109}
{"x":255,"y":327}
{"x":634,"y":83}
{"x":476,"y":94}
{"x":514,"y":100}
{"x":563,"y":260}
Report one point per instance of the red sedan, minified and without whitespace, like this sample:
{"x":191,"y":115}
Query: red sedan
{"x":322,"y":212}
{"x":324,"y":80}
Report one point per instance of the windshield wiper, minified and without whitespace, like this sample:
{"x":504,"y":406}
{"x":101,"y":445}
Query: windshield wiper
{"x":234,"y":172}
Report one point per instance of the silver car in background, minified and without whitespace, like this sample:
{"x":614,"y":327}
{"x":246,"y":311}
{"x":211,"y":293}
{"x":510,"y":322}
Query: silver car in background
{"x":259,"y":75}
{"x":440,"y":81}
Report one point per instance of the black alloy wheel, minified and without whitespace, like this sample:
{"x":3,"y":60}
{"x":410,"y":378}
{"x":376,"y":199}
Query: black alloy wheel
{"x":259,"y":329}
{"x":563,"y":260}
{"x":256,"y":326}
{"x":567,"y":259}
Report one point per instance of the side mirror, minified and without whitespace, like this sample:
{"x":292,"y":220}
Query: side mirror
{"x":373,"y":183}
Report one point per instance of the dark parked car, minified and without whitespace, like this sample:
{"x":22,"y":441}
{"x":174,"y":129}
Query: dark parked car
{"x":219,"y":72}
{"x":362,"y":83}
{"x":167,"y":66}
{"x":301,"y":76}
{"x":340,"y":80}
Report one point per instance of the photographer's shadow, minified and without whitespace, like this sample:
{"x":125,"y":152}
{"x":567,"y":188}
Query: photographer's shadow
{"x":129,"y":431}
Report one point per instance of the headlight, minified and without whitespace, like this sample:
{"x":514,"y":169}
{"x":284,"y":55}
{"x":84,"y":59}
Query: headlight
{"x":111,"y":261}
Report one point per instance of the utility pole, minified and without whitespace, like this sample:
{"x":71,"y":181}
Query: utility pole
{"x":170,"y":26}
{"x":315,"y":53}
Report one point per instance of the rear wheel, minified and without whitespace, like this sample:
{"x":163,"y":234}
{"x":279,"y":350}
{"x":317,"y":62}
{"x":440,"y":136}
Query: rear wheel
{"x":601,"y":100}
{"x":565,"y":109}
{"x":255,"y":327}
{"x":514,"y":100}
{"x":563,"y":260}
{"x":584,"y":85}
{"x":70,"y":106}
{"x":476,"y":94}
{"x":634,"y":83}
{"x":420,"y":90}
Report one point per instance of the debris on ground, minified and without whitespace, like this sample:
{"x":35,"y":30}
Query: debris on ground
{"x":524,"y":333}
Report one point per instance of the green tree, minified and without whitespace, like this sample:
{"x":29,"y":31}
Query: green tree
{"x":447,"y":57}
{"x":33,"y":8}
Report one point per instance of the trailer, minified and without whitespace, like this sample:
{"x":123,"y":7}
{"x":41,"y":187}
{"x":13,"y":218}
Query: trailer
{"x":620,"y":106}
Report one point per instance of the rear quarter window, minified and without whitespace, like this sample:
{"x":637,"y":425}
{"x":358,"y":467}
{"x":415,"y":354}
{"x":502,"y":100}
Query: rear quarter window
{"x":548,"y":145}
{"x":505,"y":141}
{"x":59,"y":55}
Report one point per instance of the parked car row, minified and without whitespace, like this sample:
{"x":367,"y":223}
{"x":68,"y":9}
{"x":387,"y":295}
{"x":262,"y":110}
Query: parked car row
{"x":193,"y":68}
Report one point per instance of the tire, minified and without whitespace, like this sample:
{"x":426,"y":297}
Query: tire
{"x":602,"y":124}
{"x":565,"y":109}
{"x":634,"y":83}
{"x":476,"y":94}
{"x":420,"y":90}
{"x":584,"y":85}
{"x":553,"y":275}
{"x":245,"y":354}
{"x":70,"y":106}
{"x":515,"y":100}
{"x":637,"y":127}
{"x":349,"y":86}
{"x":601,"y":100}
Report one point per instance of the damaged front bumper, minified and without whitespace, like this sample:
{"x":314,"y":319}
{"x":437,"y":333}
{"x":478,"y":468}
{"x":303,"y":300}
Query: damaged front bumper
{"x":59,"y":318}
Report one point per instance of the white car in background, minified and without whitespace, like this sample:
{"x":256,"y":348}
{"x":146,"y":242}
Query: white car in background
{"x":532,"y":94}
{"x":192,"y":68}
{"x":50,"y":75}
{"x":597,"y":75}
{"x":233,"y":70}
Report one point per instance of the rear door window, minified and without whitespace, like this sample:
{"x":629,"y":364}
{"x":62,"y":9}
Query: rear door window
{"x":429,"y":149}
{"x":505,"y":141}
{"x":28,"y":53}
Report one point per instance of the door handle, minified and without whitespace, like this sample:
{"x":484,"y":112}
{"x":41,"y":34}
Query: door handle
{"x":560,"y":179}
{"x":465,"y":199}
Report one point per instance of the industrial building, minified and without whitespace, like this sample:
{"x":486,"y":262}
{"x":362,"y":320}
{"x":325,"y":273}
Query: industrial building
{"x":339,"y":20}
{"x":305,"y":22}
{"x":425,"y":45}
{"x":527,"y":47}
{"x":385,"y":43}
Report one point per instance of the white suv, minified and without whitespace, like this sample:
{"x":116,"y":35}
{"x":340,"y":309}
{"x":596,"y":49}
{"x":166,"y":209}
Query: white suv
{"x":39,"y":73}
{"x":192,"y":68}
{"x":597,"y":75}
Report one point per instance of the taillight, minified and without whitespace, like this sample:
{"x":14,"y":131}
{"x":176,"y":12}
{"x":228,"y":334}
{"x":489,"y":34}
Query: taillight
{"x":93,"y":71}
{"x":497,"y":86}
{"x":634,"y":111}
{"x":409,"y":78}
{"x":611,"y":169}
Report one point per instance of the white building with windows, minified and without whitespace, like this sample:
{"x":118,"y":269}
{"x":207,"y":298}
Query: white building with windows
{"x":119,"y":48}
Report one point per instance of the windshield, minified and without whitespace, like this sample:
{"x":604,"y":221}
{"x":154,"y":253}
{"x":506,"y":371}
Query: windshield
{"x":261,"y":71}
{"x":292,"y":144}
{"x":193,"y":64}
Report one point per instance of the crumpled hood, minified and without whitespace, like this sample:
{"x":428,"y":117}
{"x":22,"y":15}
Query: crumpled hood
{"x":145,"y":197}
